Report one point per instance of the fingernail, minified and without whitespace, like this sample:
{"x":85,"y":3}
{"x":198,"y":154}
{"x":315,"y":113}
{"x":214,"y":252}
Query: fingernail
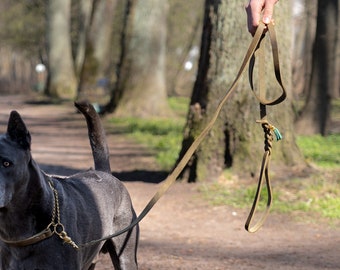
{"x":266,"y":20}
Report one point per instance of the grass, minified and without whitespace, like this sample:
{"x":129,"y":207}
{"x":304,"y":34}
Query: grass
{"x":163,"y":136}
{"x":323,"y":151}
{"x":317,"y":194}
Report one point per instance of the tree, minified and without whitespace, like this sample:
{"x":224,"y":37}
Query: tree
{"x":93,"y":59}
{"x":86,"y":9}
{"x":26,"y":32}
{"x":140,"y":89}
{"x":62,"y":81}
{"x":235,"y":140}
{"x":22,"y":45}
{"x":185,"y":22}
{"x":304,"y":36}
{"x":337,"y":60}
{"x":315,"y":116}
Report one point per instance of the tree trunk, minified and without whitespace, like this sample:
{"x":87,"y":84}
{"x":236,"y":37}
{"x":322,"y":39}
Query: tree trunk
{"x":185,"y":23}
{"x":17,"y":72}
{"x":235,"y":140}
{"x":62,"y":79}
{"x":141,"y":89}
{"x":304,"y":26}
{"x":85,"y":16}
{"x":337,"y":60}
{"x":94,"y":79}
{"x":315,"y":117}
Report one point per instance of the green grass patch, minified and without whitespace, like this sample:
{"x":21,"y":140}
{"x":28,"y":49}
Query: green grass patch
{"x":179,"y":105}
{"x":317,"y":195}
{"x":323,"y":151}
{"x":329,"y":206}
{"x":162,"y":136}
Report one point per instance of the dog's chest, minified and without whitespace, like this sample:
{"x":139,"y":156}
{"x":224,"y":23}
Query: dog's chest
{"x":40,"y":257}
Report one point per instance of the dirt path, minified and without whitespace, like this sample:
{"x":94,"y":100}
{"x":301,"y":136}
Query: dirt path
{"x":183,"y":231}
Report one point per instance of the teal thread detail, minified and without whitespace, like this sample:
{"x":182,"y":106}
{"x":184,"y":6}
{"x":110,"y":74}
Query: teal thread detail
{"x":277,"y":134}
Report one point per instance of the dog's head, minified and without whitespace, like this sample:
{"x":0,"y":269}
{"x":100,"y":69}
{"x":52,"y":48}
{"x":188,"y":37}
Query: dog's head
{"x":15,"y":156}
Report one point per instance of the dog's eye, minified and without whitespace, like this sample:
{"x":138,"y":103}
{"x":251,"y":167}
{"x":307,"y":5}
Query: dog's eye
{"x":6,"y":163}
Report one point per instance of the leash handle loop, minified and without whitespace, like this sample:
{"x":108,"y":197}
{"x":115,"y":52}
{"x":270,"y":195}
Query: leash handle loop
{"x":276,"y":65}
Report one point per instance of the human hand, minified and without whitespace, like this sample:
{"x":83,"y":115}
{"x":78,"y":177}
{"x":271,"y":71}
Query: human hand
{"x":254,"y":10}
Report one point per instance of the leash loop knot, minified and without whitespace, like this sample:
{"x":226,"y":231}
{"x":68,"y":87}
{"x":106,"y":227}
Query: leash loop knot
{"x":268,"y":135}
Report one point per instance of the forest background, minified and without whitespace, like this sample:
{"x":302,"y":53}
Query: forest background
{"x":130,"y":58}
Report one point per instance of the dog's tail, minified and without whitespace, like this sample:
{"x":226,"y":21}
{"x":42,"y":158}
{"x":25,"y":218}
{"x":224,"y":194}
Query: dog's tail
{"x":100,"y":149}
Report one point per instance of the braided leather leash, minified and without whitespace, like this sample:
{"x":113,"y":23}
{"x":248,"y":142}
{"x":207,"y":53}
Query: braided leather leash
{"x":171,"y":178}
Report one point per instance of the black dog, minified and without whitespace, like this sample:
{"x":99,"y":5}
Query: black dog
{"x":43,"y":218}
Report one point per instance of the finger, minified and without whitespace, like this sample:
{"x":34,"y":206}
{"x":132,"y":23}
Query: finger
{"x":268,"y":11}
{"x":254,"y":10}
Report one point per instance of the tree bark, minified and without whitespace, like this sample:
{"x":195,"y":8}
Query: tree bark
{"x":62,"y":79}
{"x":141,"y":88}
{"x":315,"y":116}
{"x":94,"y":77}
{"x":337,"y":60}
{"x":86,"y":8}
{"x":17,"y":72}
{"x":304,"y":26}
{"x":235,"y":140}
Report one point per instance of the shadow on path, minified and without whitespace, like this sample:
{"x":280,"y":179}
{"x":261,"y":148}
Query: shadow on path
{"x":153,"y":177}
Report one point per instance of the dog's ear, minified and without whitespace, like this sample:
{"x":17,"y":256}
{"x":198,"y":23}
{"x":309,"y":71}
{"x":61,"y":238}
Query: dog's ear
{"x":17,"y":131}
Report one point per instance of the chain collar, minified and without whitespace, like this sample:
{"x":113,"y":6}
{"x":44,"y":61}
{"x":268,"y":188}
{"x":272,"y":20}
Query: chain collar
{"x":54,"y":227}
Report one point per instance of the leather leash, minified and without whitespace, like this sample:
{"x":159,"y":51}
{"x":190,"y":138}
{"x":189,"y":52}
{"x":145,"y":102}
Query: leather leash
{"x":268,"y":129}
{"x":171,"y":178}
